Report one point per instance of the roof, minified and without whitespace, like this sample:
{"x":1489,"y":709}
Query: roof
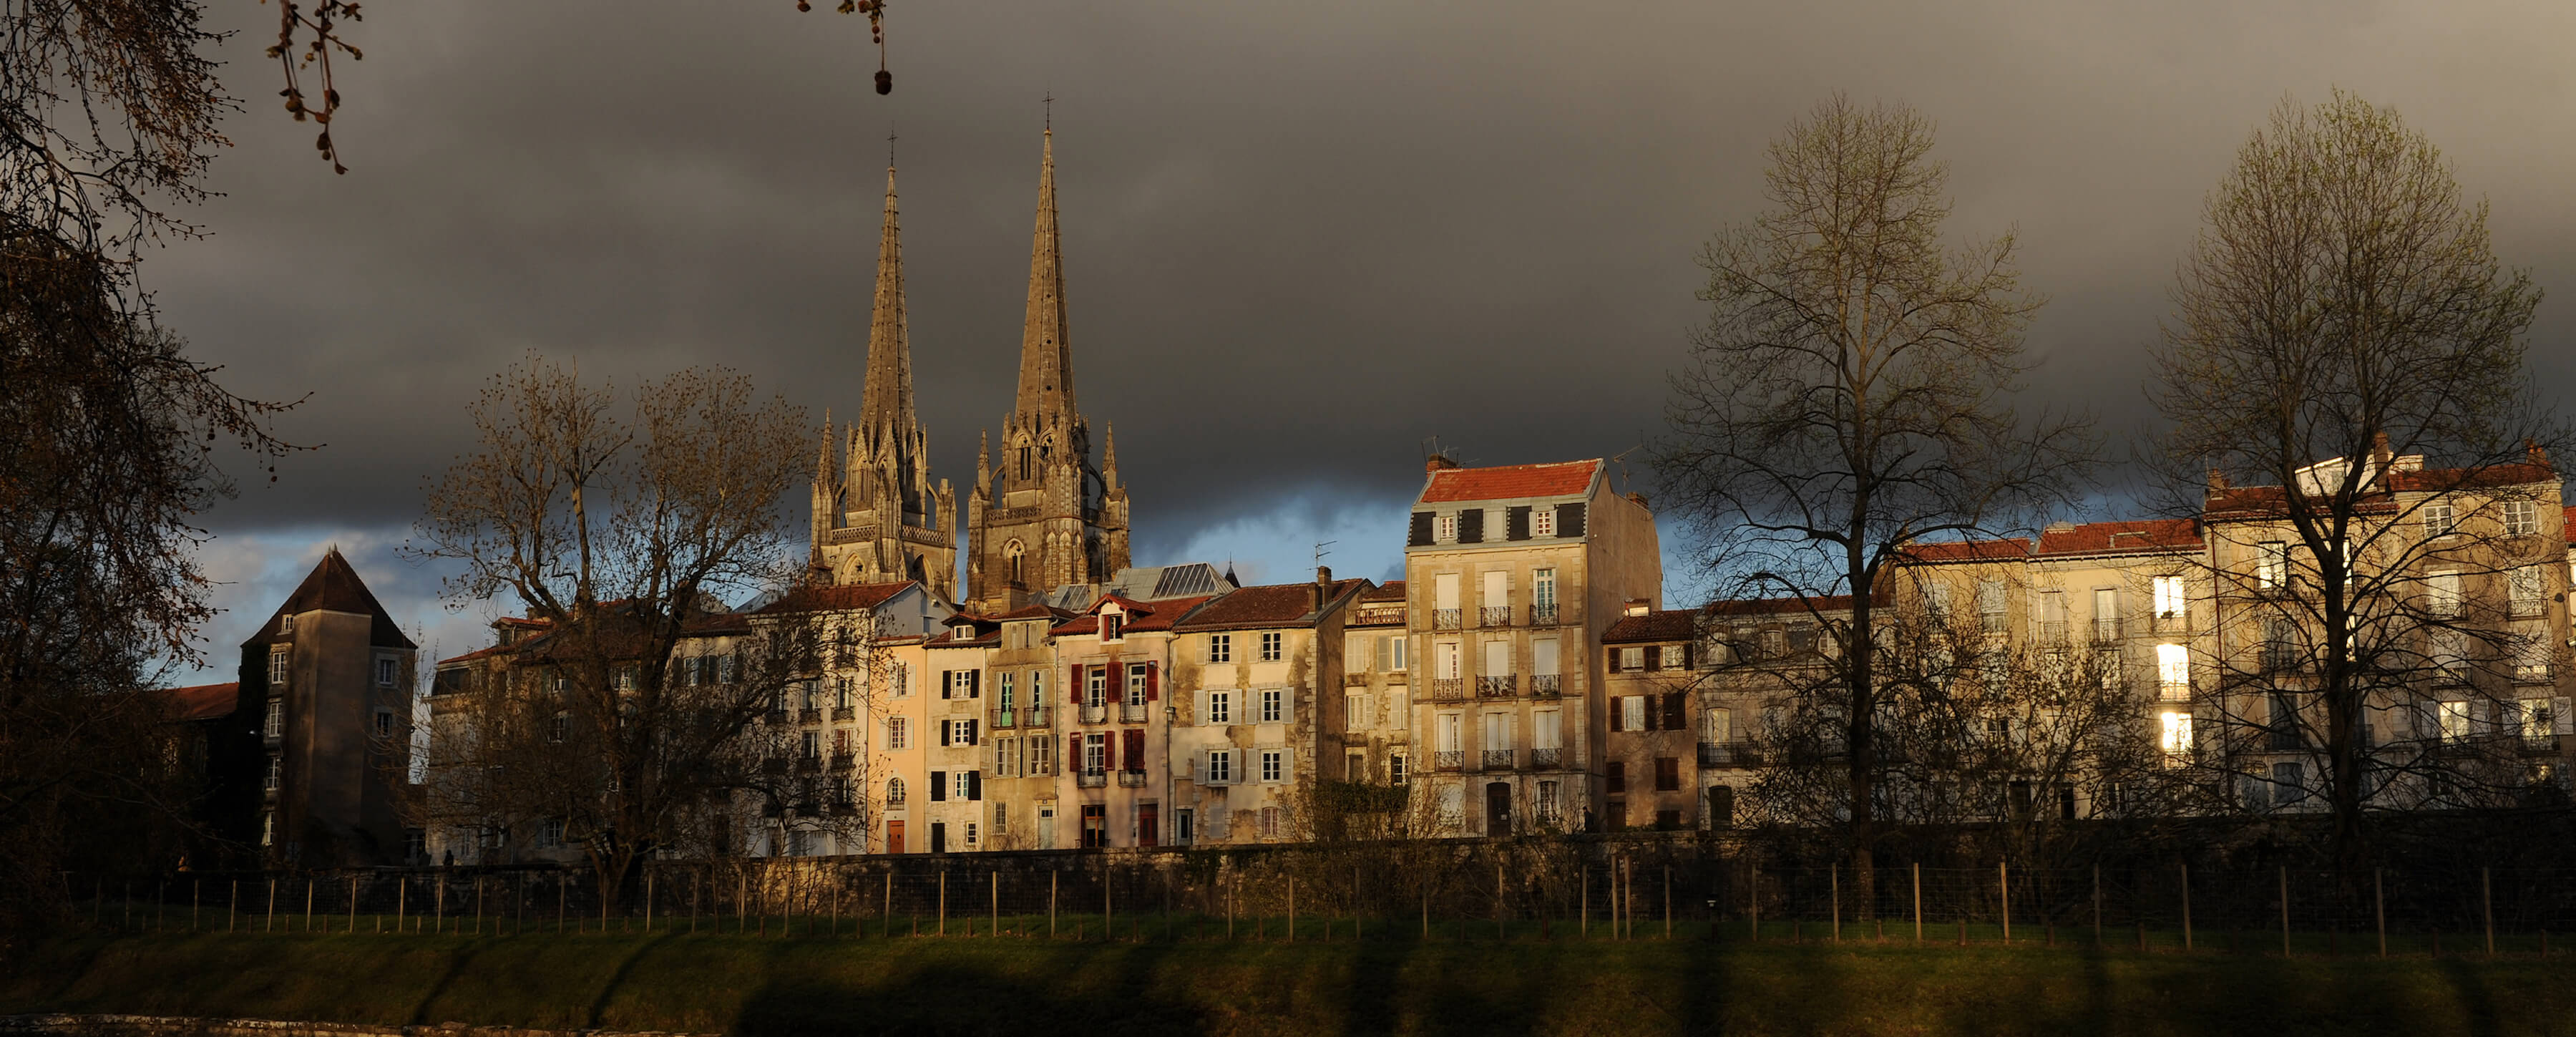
{"x":1658,"y":625}
{"x":1277,"y":605}
{"x":2259,"y":502}
{"x":1034,"y":610}
{"x":1393,"y":590}
{"x":2121,"y":537}
{"x":1775,"y":606}
{"x":1968,"y":550}
{"x":1511,"y":482}
{"x":1164,"y":614}
{"x":206,"y":701}
{"x":333,"y":586}
{"x":844,"y":597}
{"x":1144,"y":583}
{"x":480,"y":653}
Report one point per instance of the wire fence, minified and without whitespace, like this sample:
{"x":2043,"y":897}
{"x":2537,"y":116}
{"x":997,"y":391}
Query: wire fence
{"x":1520,"y":890}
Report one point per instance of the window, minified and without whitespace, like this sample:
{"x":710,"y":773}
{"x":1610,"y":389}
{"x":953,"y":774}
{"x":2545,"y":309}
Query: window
{"x":2169,"y":597}
{"x":901,"y":678}
{"x":1546,"y":805}
{"x":2530,"y":643}
{"x":1274,"y":705}
{"x":2271,"y":564}
{"x":1632,"y":713}
{"x":286,"y":624}
{"x":2173,"y":671}
{"x":2521,"y":518}
{"x":1095,"y":685}
{"x":550,"y":832}
{"x":841,"y":742}
{"x":275,"y":724}
{"x":1632,"y":659}
{"x":1270,"y":646}
{"x":2453,"y":718}
{"x":1220,"y":766}
{"x":2439,"y":520}
{"x":1542,"y":522}
{"x":961,"y":785}
{"x":1095,"y":754}
{"x":559,"y":729}
{"x":1220,"y":648}
{"x":725,"y":669}
{"x":1041,"y":756}
{"x":1444,"y":664}
{"x":894,"y":793}
{"x":2288,"y":784}
{"x":1270,"y":822}
{"x":1717,"y":725}
{"x":1355,"y":710}
{"x":1010,"y":692}
{"x":268,"y":829}
{"x":1990,"y":606}
{"x":1273,"y":764}
{"x":2442,"y":594}
{"x":1543,"y":595}
{"x":1446,"y":529}
{"x":2450,"y":651}
{"x":384,"y":723}
{"x":1498,"y":732}
{"x":1668,"y":774}
{"x":1135,"y":684}
{"x":1220,"y":706}
{"x":1543,"y":659}
{"x":2527,"y":586}
{"x":1498,"y":658}
{"x":2175,"y":734}
{"x":2538,"y":721}
{"x":1617,"y":776}
{"x":1113,"y":626}
{"x":385,"y":672}
{"x":1184,"y":824}
{"x":898,"y":733}
{"x":971,"y":833}
{"x":276,"y":772}
{"x":1395,"y":768}
{"x":1395,"y":652}
{"x":277,"y":657}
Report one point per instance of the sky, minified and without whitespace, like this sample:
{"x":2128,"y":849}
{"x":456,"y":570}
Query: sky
{"x":1300,"y":239}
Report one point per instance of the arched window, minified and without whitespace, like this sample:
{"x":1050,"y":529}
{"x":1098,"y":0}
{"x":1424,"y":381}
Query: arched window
{"x":1024,"y":458}
{"x":1011,"y":556}
{"x":894,"y":793}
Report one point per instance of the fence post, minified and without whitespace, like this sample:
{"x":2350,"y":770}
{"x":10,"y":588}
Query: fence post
{"x":1753,"y":897}
{"x":2486,"y":900}
{"x":232,"y":914}
{"x":2379,"y":909}
{"x":997,"y":906}
{"x":1668,"y":901}
{"x":308,"y":905}
{"x":2285,"y":909}
{"x":1292,"y":908}
{"x":402,"y":902}
{"x":353,"y":908}
{"x":889,"y":905}
{"x":271,"y":925}
{"x":1052,"y":880}
{"x":2003,"y":883}
{"x":2186,"y":905}
{"x":648,"y":900}
{"x":1584,"y":910}
{"x":478,"y":906}
{"x":1108,"y":920}
{"x":1917,"y":868}
{"x":1834,"y":901}
{"x":1498,"y":898}
{"x":943,"y":901}
{"x":2097,"y":904}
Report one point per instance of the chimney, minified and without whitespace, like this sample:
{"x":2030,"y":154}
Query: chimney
{"x":2217,"y":481}
{"x":1437,"y":462}
{"x":1640,"y":499}
{"x":2538,"y":454}
{"x":1323,"y":587}
{"x":1638,"y":607}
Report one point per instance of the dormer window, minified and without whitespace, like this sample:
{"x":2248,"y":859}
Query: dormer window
{"x":1445,"y":528}
{"x":286,"y":624}
{"x":1112,"y":625}
{"x":1542,"y":523}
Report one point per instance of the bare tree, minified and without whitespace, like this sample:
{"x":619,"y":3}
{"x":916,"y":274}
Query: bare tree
{"x":2344,"y":384}
{"x":637,"y":703}
{"x":1849,"y":396}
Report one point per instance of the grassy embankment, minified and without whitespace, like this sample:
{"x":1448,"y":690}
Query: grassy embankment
{"x":767,"y":985}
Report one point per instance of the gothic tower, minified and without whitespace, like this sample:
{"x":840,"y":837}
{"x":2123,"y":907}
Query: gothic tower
{"x":878,"y":518}
{"x":1044,"y":516}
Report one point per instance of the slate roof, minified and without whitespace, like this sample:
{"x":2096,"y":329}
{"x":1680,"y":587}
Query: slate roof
{"x":333,"y":586}
{"x":2151,"y":535}
{"x":1276,"y":605}
{"x":845,"y":597}
{"x":1510,"y":482}
{"x":206,"y":701}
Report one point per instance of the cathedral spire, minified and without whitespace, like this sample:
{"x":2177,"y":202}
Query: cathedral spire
{"x":1046,"y":356}
{"x":887,"y":399}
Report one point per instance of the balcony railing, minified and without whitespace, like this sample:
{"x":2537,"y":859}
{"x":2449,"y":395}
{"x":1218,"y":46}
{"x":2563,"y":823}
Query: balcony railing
{"x":844,"y":761}
{"x":1132,"y":712}
{"x":1494,"y":616}
{"x":808,"y":764}
{"x":1498,"y":759}
{"x":1542,"y":615}
{"x":1728,"y":754}
{"x":2052,"y":631}
{"x":1006,"y":718}
{"x":1131,"y":779}
{"x":1444,"y":619}
{"x":1502,"y":686}
{"x":1355,"y":679}
{"x":1092,"y":714}
{"x":2530,"y":673}
{"x":2106,"y":631}
{"x":1547,"y":685}
{"x":809,"y":715}
{"x":1091,"y":779}
{"x":1546,"y":759}
{"x":844,"y":713}
{"x":1448,"y":689}
{"x":2543,"y":744}
{"x":1450,"y":760}
{"x":1037,"y":716}
{"x":775,"y":716}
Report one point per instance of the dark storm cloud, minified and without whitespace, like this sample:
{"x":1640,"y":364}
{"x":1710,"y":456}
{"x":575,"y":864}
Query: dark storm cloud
{"x":1299,"y":237}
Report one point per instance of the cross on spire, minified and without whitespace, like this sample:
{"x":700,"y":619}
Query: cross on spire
{"x":1050,"y":109}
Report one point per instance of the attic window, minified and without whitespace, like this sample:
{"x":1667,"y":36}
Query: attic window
{"x":286,"y":623}
{"x":1112,"y":625}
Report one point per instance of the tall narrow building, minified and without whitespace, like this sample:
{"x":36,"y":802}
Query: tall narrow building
{"x":878,"y":518}
{"x":1044,"y":515}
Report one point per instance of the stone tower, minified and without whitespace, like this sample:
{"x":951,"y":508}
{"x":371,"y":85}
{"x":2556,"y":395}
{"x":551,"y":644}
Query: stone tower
{"x":877,"y":517}
{"x":1041,"y":514}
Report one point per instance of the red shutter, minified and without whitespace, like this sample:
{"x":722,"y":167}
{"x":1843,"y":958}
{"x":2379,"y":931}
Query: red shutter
{"x":1074,"y":687}
{"x":1153,"y":682}
{"x":1135,"y":750}
{"x":1108,"y":754}
{"x":1072,"y":754}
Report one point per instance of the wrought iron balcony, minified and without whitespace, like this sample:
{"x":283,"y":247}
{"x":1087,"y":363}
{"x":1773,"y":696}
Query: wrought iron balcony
{"x":1448,"y":689}
{"x":1542,"y":615}
{"x":1498,"y":759}
{"x":1444,"y":619}
{"x":1546,"y":759}
{"x":1037,"y":716}
{"x":1547,"y":685}
{"x":844,"y":713}
{"x":1006,"y":718}
{"x":808,"y":764}
{"x":775,"y":716}
{"x":844,"y":761}
{"x":1451,"y":760}
{"x":1729,"y":754}
{"x":1091,"y":779}
{"x":809,"y":716}
{"x":2052,"y":631}
{"x":1133,"y":712}
{"x":2106,"y":630}
{"x":1503,"y":686}
{"x":1092,"y":714}
{"x":1131,"y":779}
{"x":1494,"y":616}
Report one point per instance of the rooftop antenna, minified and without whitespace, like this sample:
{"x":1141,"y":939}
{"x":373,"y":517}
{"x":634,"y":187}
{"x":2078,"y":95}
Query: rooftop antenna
{"x":1621,"y":459}
{"x":1323,"y":549}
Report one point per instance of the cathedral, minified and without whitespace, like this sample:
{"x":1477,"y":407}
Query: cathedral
{"x":1046,"y":515}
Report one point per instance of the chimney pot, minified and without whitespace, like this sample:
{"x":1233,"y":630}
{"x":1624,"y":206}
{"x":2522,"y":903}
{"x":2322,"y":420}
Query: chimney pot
{"x":1638,"y":607}
{"x":1436,"y":462}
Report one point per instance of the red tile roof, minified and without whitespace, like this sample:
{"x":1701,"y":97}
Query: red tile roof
{"x":1393,"y":590}
{"x":1276,"y":605}
{"x":1774,"y":606}
{"x":1510,"y":482}
{"x":206,"y":701}
{"x":2106,"y":537}
{"x":1658,"y":625}
{"x":1165,"y":612}
{"x":1969,"y":550}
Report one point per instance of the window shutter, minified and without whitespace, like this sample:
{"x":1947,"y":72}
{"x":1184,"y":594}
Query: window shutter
{"x":1690,"y":654}
{"x":1615,"y":715}
{"x":1421,"y":529}
{"x":1654,"y":657}
{"x":1072,"y":754}
{"x":1676,"y":710}
{"x":975,"y":786}
{"x":1471,"y":525}
{"x":1610,"y":657}
{"x":1569,"y":519}
{"x":974,"y":731}
{"x":1198,"y":706}
{"x":1073,"y":688}
{"x":1198,"y":767}
{"x":943,"y":733}
{"x":1288,"y":766}
{"x":1135,"y":750}
{"x":974,"y":684}
{"x":1153,"y":682}
{"x":944,"y":677}
{"x":1516,"y":523}
{"x":938,"y":787}
{"x":2560,"y":723}
{"x":1646,"y":706}
{"x":1108,"y":754}
{"x":1287,"y":705}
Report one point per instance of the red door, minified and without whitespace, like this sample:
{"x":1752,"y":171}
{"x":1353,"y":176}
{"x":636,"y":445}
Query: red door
{"x":894,"y":837}
{"x":1148,"y":825}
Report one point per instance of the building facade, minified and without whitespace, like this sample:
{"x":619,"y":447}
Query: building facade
{"x":324,"y":721}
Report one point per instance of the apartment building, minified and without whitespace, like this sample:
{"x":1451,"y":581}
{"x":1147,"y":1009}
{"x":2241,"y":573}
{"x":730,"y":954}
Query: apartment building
{"x":1258,"y":677}
{"x":853,"y":728}
{"x":1512,"y":574}
{"x":1376,"y":733}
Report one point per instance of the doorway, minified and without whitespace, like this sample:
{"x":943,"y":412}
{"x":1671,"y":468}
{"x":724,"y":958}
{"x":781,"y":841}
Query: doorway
{"x":1149,"y":818}
{"x":939,"y":837}
{"x":894,"y":837}
{"x":1498,"y":808}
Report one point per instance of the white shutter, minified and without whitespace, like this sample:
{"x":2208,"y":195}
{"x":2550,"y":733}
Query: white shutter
{"x":1288,"y":705}
{"x":2560,"y":723}
{"x":1287,"y":766}
{"x":1198,"y":706}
